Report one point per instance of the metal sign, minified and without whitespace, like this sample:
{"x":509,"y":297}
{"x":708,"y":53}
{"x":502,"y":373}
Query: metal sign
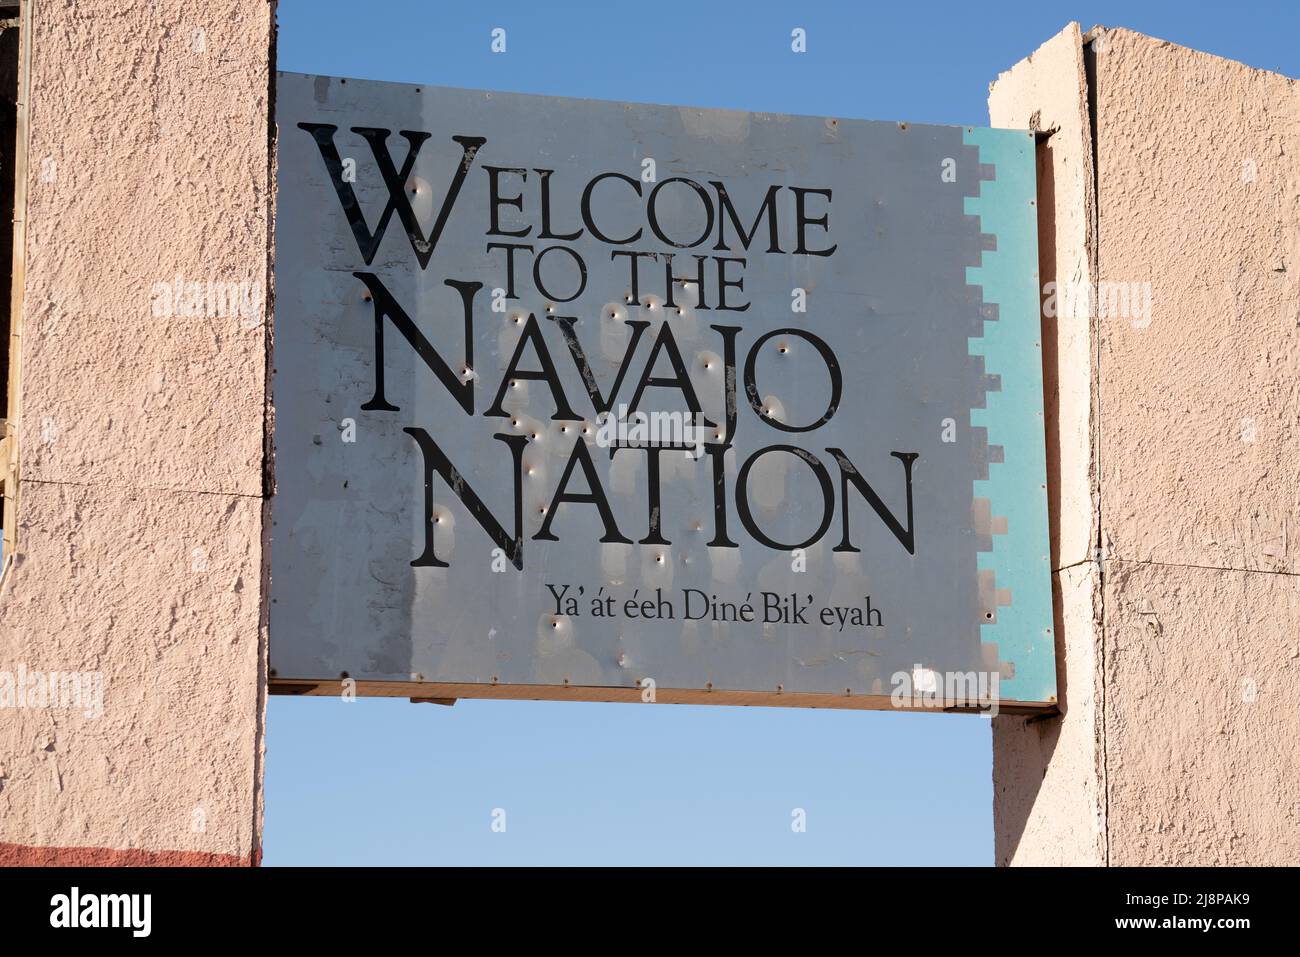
{"x":609,"y":401}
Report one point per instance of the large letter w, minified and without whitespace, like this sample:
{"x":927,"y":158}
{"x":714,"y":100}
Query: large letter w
{"x":395,"y":181}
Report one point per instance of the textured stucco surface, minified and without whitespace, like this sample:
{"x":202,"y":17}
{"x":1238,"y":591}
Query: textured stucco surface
{"x":1203,"y":728}
{"x":1199,"y":194}
{"x":1199,"y":439}
{"x":141,"y":437}
{"x":159,"y":170}
{"x":176,"y":641}
{"x":1187,"y":675}
{"x":1049,"y":798}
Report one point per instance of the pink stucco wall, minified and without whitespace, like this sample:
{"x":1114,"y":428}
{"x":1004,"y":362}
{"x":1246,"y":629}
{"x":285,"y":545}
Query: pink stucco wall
{"x":141,"y":435}
{"x":1176,"y":461}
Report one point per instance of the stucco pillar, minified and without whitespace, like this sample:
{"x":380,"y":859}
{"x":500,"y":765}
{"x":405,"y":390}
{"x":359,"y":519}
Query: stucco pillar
{"x":1170,"y":177}
{"x":141,"y":423}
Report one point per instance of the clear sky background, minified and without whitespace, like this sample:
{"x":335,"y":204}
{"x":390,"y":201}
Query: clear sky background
{"x":389,"y":782}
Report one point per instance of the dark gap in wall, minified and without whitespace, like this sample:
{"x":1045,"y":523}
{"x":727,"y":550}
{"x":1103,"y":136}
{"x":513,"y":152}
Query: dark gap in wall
{"x":9,"y":56}
{"x":1093,"y":42}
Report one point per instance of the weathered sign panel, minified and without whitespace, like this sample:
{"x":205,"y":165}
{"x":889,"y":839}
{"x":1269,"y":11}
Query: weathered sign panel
{"x":602,"y":400}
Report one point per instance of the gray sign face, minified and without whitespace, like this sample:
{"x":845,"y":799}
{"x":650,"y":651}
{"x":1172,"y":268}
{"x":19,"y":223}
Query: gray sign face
{"x":594,"y":399}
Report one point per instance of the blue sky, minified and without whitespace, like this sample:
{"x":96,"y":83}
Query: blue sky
{"x":389,"y":782}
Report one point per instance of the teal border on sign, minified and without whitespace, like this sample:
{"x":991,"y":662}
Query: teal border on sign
{"x":1011,"y":347}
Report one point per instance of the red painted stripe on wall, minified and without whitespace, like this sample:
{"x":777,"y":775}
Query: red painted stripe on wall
{"x":22,"y":855}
